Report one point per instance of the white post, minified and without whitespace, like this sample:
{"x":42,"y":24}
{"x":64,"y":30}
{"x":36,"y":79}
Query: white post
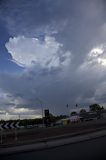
{"x":42,"y":113}
{"x":16,"y":135}
{"x":1,"y":137}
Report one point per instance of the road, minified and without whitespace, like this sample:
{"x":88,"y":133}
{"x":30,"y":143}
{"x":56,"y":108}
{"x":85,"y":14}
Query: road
{"x":87,"y":150}
{"x":26,"y":135}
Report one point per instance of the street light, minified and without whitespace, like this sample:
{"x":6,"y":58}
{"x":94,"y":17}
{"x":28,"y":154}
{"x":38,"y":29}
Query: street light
{"x":39,"y":100}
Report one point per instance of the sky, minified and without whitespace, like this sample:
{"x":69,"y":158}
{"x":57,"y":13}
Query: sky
{"x":52,"y":53}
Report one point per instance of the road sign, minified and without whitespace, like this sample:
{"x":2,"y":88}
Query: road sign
{"x":46,"y":111}
{"x":47,"y":117}
{"x":9,"y":125}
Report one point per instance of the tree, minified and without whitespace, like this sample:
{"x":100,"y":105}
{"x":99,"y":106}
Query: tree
{"x":95,"y":107}
{"x":73,"y":113}
{"x":82,"y":111}
{"x":102,"y":108}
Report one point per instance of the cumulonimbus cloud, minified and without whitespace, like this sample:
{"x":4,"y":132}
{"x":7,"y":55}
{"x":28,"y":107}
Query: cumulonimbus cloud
{"x":65,"y":32}
{"x":29,"y":51}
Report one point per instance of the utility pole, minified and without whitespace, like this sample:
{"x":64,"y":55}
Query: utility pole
{"x":67,"y":106}
{"x":41,"y":105}
{"x":1,"y":139}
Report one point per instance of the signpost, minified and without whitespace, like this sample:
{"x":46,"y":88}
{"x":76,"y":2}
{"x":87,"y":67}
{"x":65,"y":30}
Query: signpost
{"x":9,"y":125}
{"x":47,"y":117}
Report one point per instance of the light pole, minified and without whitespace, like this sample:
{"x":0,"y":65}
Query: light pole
{"x":1,"y":139}
{"x":6,"y":114}
{"x":39,"y":100}
{"x":67,"y":106}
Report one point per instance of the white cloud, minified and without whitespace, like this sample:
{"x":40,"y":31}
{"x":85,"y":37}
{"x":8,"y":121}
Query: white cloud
{"x":2,"y":112}
{"x":98,"y":55}
{"x":12,"y":116}
{"x":19,"y":110}
{"x":29,"y":51}
{"x":96,"y":52}
{"x":22,"y":110}
{"x":95,"y":59}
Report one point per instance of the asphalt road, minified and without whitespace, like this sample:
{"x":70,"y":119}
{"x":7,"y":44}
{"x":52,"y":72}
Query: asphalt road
{"x":26,"y":135}
{"x":87,"y":150}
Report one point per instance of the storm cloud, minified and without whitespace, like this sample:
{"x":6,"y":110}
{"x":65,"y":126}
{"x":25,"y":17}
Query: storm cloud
{"x":60,"y":48}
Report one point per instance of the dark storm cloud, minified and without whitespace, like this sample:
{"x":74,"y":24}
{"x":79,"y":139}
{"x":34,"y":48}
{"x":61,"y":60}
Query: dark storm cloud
{"x":79,"y":26}
{"x":77,"y":23}
{"x":54,"y":91}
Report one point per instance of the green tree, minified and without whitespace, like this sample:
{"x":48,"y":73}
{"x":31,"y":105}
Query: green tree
{"x":95,"y":107}
{"x":73,"y":113}
{"x":82,"y":111}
